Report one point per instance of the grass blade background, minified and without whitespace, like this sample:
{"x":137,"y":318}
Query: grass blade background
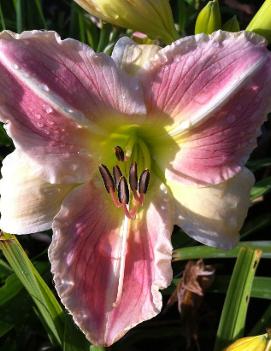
{"x":46,"y":303}
{"x":232,"y":321}
{"x":196,"y":252}
{"x":48,"y":308}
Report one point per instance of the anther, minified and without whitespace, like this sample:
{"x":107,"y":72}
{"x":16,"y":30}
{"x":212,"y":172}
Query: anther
{"x":117,"y":175}
{"x":119,"y":153}
{"x":123,"y":191}
{"x":107,"y":178}
{"x":133,"y":179}
{"x":144,"y":181}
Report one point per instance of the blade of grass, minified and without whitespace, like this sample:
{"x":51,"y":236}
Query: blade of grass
{"x":261,"y":287}
{"x":2,"y":19}
{"x":232,"y":321}
{"x":254,"y":165}
{"x":59,"y":326}
{"x":201,"y":251}
{"x":262,"y":323}
{"x":82,"y":33}
{"x":104,"y":37}
{"x":255,"y":224}
{"x":5,"y":328}
{"x":19,"y":15}
{"x":261,"y":188}
{"x":10,"y":289}
{"x":46,"y":303}
{"x":72,"y":334}
{"x":181,"y":16}
{"x":41,"y":14}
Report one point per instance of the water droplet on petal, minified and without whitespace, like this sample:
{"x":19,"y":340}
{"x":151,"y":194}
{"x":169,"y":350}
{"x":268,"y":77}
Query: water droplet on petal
{"x":48,"y":109}
{"x":45,"y":87}
{"x":216,"y":44}
{"x":16,"y":66}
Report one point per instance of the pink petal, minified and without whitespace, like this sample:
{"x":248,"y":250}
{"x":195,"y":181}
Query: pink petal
{"x":218,"y":149}
{"x":216,"y":90}
{"x":108,"y":270}
{"x":50,"y":89}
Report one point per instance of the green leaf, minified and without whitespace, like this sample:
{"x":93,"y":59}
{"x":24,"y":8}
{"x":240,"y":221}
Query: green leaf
{"x":60,"y":327}
{"x":201,"y":251}
{"x":4,"y":139}
{"x":232,"y":321}
{"x":264,"y":321}
{"x":2,"y":19}
{"x":19,"y":15}
{"x":10,"y":289}
{"x":261,"y":188}
{"x":97,"y":348}
{"x":261,"y":22}
{"x":40,"y":13}
{"x":255,"y":224}
{"x":5,"y":328}
{"x":47,"y":305}
{"x":74,"y":339}
{"x":261,"y":287}
{"x":182,"y":16}
{"x":254,"y":165}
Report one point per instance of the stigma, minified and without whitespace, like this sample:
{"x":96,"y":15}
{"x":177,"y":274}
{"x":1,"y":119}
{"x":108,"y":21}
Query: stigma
{"x":127,"y":191}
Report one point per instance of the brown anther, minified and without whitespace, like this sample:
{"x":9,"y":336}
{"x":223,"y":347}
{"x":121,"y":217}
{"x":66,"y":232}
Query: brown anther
{"x":123,"y":191}
{"x":117,"y":175}
{"x":119,"y":153}
{"x":107,"y":178}
{"x":133,"y":179}
{"x":144,"y":181}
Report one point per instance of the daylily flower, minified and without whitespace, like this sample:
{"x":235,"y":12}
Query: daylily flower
{"x":184,"y":119}
{"x":153,"y":17}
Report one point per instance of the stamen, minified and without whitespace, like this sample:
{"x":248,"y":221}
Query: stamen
{"x":144,"y":181}
{"x":133,"y":179}
{"x":107,"y":178}
{"x":129,"y":214}
{"x":114,"y":199}
{"x":117,"y":175}
{"x":119,"y":153}
{"x":123,"y":191}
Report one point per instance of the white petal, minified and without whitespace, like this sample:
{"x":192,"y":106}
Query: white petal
{"x":28,"y":203}
{"x":131,"y":57}
{"x":214,"y":215}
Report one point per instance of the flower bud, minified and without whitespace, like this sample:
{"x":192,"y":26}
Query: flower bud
{"x":209,"y":18}
{"x":261,"y":22}
{"x":232,"y":25}
{"x":251,"y":343}
{"x":153,"y":17}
